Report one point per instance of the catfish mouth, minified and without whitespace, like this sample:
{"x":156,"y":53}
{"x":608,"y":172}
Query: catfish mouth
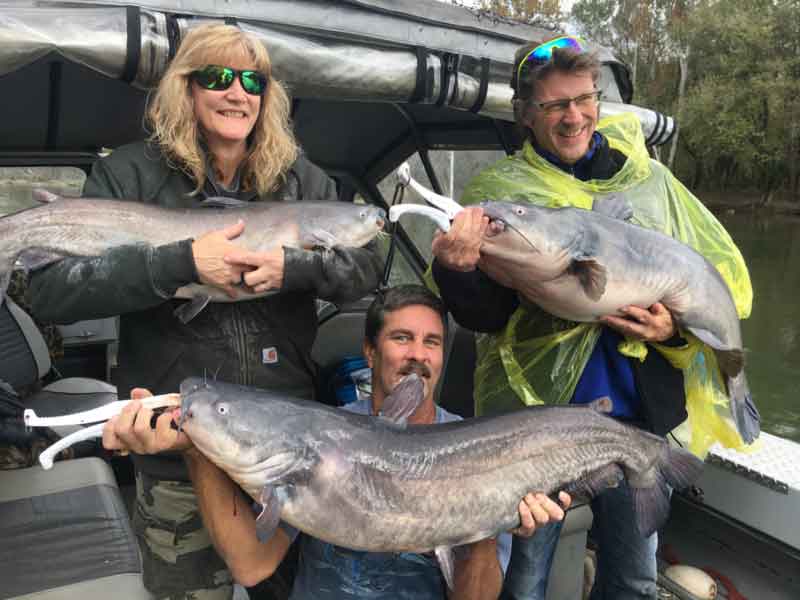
{"x":498,"y":226}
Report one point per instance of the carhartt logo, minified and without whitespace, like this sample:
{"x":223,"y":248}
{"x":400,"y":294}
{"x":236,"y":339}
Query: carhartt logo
{"x":269,"y":356}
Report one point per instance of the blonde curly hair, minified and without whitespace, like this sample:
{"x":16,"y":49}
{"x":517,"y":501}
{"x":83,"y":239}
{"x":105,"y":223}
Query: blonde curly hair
{"x":272,"y":146}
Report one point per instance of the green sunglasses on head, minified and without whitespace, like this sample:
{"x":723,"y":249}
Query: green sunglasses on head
{"x":217,"y":78}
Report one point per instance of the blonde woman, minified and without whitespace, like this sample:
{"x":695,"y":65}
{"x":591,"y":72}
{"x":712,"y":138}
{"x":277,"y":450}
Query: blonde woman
{"x":219,"y":127}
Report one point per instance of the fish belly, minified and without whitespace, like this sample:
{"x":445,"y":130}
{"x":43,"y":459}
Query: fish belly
{"x":566,"y":298}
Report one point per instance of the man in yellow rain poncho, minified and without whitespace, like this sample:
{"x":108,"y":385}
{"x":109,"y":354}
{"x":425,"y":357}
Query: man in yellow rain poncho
{"x":654,"y":375}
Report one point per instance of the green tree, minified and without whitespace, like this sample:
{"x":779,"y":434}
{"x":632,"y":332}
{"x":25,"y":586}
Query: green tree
{"x":729,"y":70}
{"x":742,"y":101}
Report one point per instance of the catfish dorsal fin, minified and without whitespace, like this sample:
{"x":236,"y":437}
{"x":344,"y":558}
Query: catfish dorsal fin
{"x":42,"y":196}
{"x":603,"y":405}
{"x":615,"y":206}
{"x":224,"y":202}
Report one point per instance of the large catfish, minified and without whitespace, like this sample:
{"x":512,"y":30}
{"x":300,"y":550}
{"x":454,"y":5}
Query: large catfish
{"x":372,"y":484}
{"x":583,"y":264}
{"x":89,"y":227}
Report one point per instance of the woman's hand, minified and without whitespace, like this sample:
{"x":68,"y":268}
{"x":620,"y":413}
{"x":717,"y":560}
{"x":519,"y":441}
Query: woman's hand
{"x":209,"y":253}
{"x":261,"y":271}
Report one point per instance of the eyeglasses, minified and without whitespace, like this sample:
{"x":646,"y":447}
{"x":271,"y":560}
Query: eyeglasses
{"x":561,"y":106}
{"x":214,"y":77}
{"x":544,"y":52}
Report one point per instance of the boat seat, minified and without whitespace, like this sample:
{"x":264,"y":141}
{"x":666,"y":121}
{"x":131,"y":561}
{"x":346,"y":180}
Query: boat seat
{"x":65,"y":534}
{"x":24,"y":360}
{"x":566,"y":574}
{"x":73,"y":394}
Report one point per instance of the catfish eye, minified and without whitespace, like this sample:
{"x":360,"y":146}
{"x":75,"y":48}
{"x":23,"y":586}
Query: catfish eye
{"x":222,"y":409}
{"x":520,"y":211}
{"x":363,"y":214}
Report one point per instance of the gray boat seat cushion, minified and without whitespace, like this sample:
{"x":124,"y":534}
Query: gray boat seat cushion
{"x":70,"y":395}
{"x":566,"y":575}
{"x":24,"y":358}
{"x":64,"y":534}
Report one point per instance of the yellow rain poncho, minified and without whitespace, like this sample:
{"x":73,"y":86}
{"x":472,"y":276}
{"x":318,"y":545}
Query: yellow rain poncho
{"x":539,"y":358}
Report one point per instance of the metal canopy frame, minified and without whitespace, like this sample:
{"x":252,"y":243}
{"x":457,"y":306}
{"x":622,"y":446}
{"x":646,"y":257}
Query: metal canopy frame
{"x":372,"y":81}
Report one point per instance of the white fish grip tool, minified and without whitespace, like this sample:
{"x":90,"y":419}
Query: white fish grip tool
{"x":98,"y":416}
{"x":442,"y":210}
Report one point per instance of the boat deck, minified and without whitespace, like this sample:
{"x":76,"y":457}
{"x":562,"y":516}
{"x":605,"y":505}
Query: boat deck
{"x":765,"y":492}
{"x":746,"y":526}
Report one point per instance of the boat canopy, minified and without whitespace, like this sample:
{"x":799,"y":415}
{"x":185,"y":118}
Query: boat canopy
{"x":74,"y":75}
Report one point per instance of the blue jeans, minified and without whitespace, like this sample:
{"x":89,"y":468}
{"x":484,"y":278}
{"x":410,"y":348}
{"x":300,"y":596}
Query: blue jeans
{"x":328,"y":572}
{"x":626,"y":561}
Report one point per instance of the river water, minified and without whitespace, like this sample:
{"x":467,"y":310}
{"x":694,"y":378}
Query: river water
{"x":771,"y":246}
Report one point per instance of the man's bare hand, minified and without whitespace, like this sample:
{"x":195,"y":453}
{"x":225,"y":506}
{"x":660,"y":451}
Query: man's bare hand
{"x":648,"y":325}
{"x":459,"y":248}
{"x":536,"y":510}
{"x":130,"y":431}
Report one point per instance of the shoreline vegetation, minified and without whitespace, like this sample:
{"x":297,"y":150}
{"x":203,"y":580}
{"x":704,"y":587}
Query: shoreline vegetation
{"x":752,"y":202}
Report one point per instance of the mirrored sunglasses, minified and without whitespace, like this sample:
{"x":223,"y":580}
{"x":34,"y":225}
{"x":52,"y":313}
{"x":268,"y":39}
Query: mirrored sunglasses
{"x":217,"y":78}
{"x":544,"y":52}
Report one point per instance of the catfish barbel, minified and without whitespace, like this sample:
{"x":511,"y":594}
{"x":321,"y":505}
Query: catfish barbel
{"x":85,"y":227}
{"x":581,"y":265}
{"x":370,"y":484}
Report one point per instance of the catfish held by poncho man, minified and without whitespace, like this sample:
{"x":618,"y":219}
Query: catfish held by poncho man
{"x":372,"y":484}
{"x":581,"y":265}
{"x":85,"y":227}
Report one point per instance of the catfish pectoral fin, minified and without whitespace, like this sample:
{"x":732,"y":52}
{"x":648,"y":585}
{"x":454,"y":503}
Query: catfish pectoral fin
{"x":444,"y":555}
{"x":36,"y":258}
{"x":189,"y":310}
{"x":267,"y":521}
{"x":592,"y":276}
